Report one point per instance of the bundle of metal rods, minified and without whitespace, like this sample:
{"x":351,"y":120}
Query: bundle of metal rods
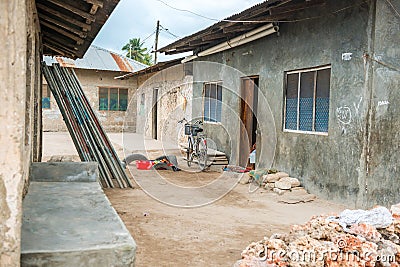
{"x":88,"y":136}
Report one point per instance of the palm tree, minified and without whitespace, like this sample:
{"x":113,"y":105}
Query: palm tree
{"x":135,"y":50}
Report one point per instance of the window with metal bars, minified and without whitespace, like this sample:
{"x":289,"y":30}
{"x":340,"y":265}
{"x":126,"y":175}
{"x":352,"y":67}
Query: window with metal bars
{"x":45,"y":96}
{"x":212,"y":101}
{"x":307,"y":100}
{"x":115,"y":99}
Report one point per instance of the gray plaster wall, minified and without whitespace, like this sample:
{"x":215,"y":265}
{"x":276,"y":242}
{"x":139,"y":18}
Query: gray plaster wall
{"x":19,"y":117}
{"x":173,"y":104}
{"x":333,"y":166}
{"x":383,"y":176}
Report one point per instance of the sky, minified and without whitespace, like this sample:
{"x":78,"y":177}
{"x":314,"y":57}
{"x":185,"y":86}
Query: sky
{"x":138,"y":19}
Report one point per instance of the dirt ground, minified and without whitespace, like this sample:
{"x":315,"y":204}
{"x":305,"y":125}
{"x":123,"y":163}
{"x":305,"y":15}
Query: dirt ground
{"x":210,"y":235}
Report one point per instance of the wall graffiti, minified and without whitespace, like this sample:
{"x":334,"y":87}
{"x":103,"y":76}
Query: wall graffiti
{"x":383,"y":103}
{"x":357,"y":107}
{"x":344,"y":114}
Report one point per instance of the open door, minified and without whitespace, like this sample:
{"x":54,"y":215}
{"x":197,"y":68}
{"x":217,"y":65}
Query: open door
{"x":154,"y":112}
{"x":248,"y":113}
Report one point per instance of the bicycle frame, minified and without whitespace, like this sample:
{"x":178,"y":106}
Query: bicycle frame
{"x":197,"y":144}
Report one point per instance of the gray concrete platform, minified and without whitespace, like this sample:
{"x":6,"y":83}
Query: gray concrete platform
{"x":68,"y":223}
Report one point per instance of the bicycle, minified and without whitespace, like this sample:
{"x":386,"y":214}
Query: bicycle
{"x":197,"y":143}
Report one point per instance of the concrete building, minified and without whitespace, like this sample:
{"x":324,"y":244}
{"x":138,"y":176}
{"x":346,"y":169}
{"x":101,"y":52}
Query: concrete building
{"x":28,"y":30}
{"x":164,"y":97}
{"x":108,"y":97}
{"x":329,"y":73}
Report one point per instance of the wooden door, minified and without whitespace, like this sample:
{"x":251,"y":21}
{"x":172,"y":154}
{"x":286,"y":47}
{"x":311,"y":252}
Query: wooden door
{"x":248,"y":111}
{"x":154,"y":113}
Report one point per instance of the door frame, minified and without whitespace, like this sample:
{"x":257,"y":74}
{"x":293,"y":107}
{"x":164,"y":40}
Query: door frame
{"x":252,"y":123}
{"x":154,"y":114}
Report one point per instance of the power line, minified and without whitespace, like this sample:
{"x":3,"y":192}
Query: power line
{"x":170,"y":33}
{"x":144,"y":40}
{"x":186,"y":10}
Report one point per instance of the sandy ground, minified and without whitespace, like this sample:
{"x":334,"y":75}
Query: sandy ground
{"x":211,"y":235}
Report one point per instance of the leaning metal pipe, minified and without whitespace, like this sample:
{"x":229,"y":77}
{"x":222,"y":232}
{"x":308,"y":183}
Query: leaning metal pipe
{"x":83,"y":125}
{"x":104,"y":174}
{"x":104,"y":136}
{"x":95,"y":132}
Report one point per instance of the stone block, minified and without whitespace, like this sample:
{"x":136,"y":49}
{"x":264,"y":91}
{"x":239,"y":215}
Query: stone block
{"x":283,"y":184}
{"x":271,"y":178}
{"x":279,"y":191}
{"x":282,"y":174}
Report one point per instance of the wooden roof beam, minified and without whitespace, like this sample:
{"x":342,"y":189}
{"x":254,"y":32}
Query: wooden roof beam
{"x":241,"y":27}
{"x":180,"y":50}
{"x":214,"y":36}
{"x":257,"y":12}
{"x":59,"y":43}
{"x":62,"y":25}
{"x":78,"y":40}
{"x":58,"y":50}
{"x":56,"y":13}
{"x":93,"y":10}
{"x":296,"y":7}
{"x":73,"y":9}
{"x":98,"y":3}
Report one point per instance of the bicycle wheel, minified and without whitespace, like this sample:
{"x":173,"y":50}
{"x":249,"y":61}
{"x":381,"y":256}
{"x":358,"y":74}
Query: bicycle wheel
{"x":202,"y":156}
{"x":189,"y":153}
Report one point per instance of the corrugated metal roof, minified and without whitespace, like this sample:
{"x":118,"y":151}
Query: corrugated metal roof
{"x":99,"y":59}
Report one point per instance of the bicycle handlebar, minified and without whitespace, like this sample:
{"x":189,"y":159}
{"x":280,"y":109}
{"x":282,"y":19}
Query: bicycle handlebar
{"x":195,"y":122}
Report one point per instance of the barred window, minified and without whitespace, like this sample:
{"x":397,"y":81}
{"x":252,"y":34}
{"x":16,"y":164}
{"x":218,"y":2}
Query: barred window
{"x":115,"y":99}
{"x":45,"y":96}
{"x":307,"y":100}
{"x":212,"y":101}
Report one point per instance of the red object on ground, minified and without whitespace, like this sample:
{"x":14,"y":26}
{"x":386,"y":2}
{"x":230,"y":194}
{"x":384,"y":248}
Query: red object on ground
{"x":144,"y":164}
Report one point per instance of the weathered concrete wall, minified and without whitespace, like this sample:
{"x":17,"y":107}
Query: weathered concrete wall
{"x":91,"y":80}
{"x":19,"y":113}
{"x":383,"y":139}
{"x":332,"y":166}
{"x":64,"y":172}
{"x":173,"y":104}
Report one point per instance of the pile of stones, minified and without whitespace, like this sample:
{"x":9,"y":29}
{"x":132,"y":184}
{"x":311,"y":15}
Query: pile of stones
{"x":279,"y":182}
{"x":353,"y":238}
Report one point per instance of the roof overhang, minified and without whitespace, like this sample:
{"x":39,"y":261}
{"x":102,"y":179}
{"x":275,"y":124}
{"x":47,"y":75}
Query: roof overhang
{"x":152,"y":69}
{"x":258,"y":16}
{"x":69,"y":27}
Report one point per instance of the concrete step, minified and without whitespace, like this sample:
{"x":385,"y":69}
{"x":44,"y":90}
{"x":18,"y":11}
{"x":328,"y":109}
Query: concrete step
{"x":68,"y":221}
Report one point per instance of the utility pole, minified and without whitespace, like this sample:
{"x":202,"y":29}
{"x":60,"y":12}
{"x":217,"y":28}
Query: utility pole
{"x":156,"y":42}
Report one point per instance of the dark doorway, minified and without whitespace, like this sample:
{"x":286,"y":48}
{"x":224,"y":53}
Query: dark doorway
{"x":248,"y":113}
{"x":154,"y":113}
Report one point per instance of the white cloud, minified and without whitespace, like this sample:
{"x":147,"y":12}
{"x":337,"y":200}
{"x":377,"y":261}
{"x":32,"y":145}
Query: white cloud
{"x":137,"y":18}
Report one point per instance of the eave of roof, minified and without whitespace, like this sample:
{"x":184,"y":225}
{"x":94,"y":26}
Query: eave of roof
{"x":245,"y":21}
{"x":98,"y":58}
{"x":69,"y":27}
{"x":152,"y":69}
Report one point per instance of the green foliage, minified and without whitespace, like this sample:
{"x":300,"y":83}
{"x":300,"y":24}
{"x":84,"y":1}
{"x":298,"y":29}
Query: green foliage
{"x":135,"y":50}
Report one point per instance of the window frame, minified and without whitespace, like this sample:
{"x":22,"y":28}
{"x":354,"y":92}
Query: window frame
{"x":299,"y":72}
{"x":48,"y":95}
{"x":109,"y":100}
{"x":216,"y":121}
